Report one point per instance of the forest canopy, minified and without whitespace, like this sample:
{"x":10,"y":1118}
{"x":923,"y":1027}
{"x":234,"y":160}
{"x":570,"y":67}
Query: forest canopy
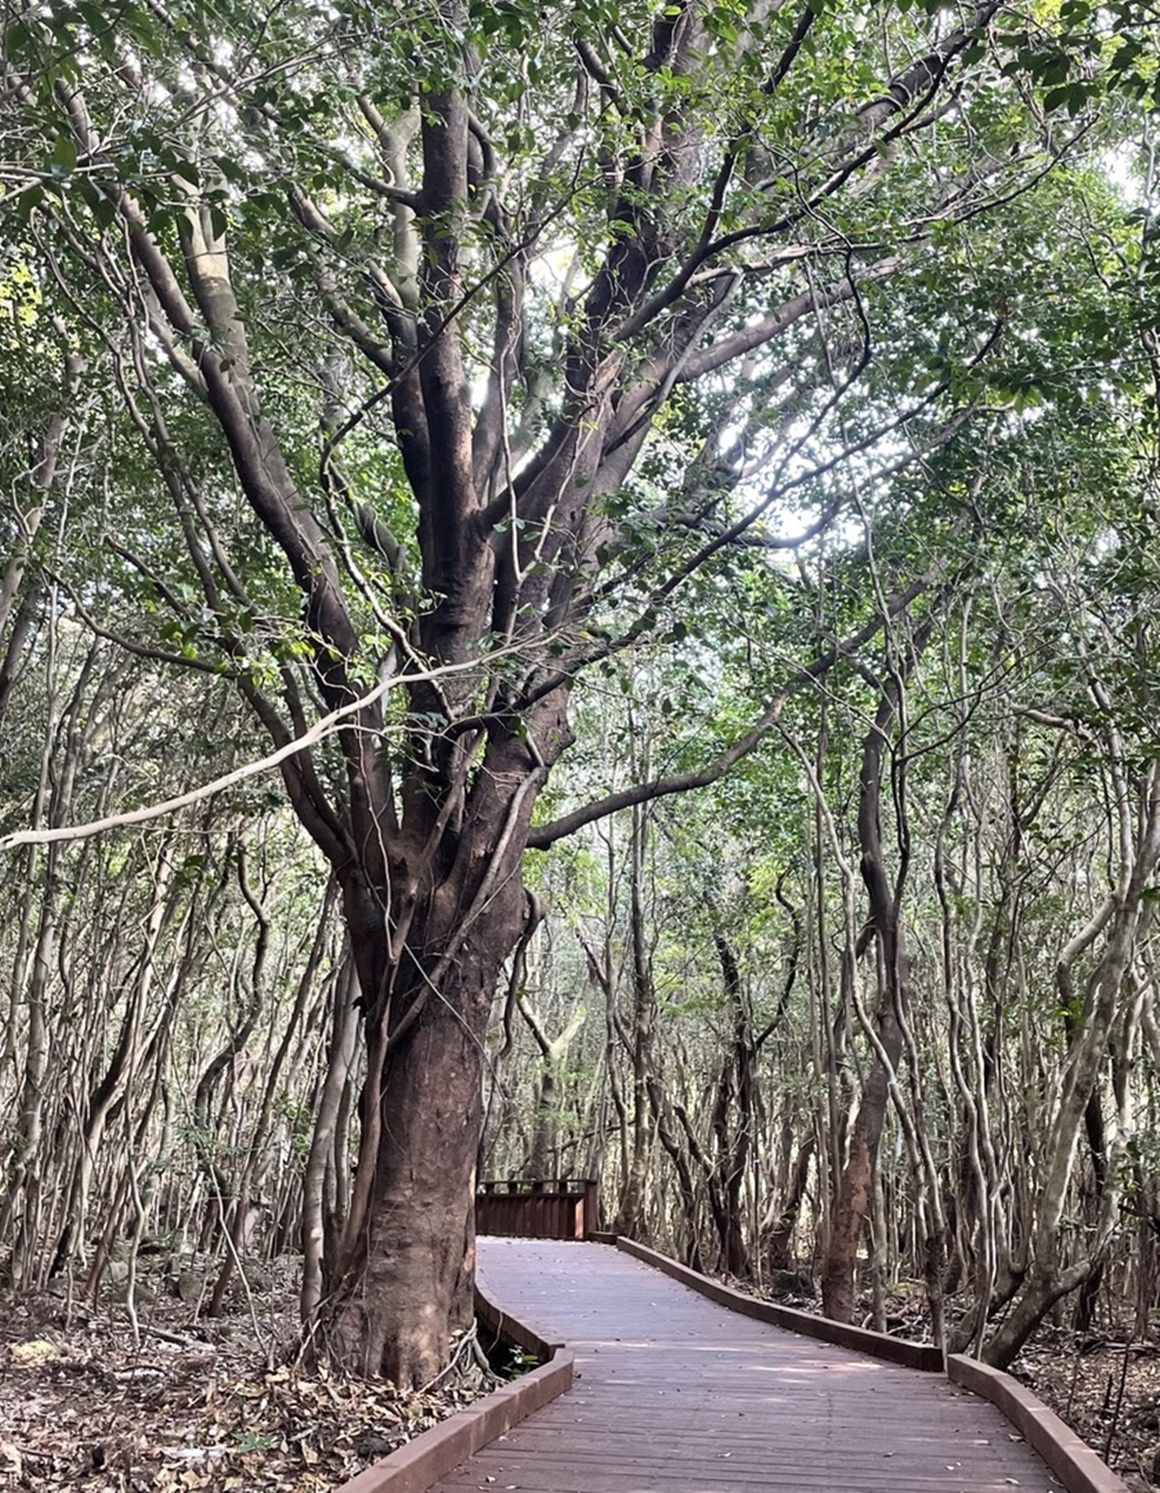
{"x":673,"y":491}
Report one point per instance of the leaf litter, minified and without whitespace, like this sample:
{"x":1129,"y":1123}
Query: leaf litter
{"x":214,"y":1404}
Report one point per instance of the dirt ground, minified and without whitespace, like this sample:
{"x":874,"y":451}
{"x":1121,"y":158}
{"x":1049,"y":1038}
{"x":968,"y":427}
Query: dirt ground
{"x":200,"y":1404}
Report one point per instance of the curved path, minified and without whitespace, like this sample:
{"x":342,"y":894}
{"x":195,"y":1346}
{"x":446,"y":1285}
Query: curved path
{"x":677,"y":1395}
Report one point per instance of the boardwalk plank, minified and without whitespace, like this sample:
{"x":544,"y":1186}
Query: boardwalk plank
{"x":676,"y":1395}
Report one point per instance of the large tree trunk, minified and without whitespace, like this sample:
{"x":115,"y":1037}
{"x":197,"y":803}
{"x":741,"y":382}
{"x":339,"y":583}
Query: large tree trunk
{"x":401,"y":1284}
{"x":406,"y":1286}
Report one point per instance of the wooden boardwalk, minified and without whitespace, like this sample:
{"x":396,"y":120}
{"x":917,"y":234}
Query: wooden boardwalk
{"x":677,"y":1395}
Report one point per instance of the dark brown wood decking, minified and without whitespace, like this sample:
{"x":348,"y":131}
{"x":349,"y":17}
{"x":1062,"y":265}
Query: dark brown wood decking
{"x":677,"y":1395}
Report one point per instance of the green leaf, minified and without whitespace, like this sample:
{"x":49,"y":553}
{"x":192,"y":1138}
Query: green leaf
{"x":187,"y":171}
{"x":232,"y":170}
{"x":64,"y":155}
{"x":1126,"y":53}
{"x":29,"y":200}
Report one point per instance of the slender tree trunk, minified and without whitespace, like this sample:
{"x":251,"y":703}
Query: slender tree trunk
{"x":122,"y":1062}
{"x":777,"y":1236}
{"x":630,"y":1214}
{"x":885,"y":1028}
{"x":1047,"y":1279}
{"x":317,"y":1228}
{"x":856,"y":1190}
{"x":543,"y":1154}
{"x":662,"y":1116}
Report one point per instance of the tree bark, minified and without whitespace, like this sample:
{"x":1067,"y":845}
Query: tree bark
{"x":403,"y":1286}
{"x":778,"y":1230}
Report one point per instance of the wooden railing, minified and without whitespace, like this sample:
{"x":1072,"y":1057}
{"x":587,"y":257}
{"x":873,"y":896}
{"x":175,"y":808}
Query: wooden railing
{"x":556,"y":1209}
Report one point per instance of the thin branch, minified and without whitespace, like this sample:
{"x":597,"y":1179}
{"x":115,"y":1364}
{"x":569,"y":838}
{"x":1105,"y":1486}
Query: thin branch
{"x":321,"y":729}
{"x":545,"y":835}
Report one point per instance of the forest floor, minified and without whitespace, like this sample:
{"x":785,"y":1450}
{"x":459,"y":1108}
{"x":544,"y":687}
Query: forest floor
{"x":211,"y":1404}
{"x":1107,"y":1388}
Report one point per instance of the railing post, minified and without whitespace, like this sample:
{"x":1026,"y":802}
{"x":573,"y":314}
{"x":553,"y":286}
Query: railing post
{"x":591,"y":1206}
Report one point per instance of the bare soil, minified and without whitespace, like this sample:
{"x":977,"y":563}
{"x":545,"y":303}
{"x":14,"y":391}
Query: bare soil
{"x":189,"y":1403}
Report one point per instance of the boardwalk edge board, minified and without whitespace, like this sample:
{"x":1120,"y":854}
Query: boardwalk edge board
{"x":876,"y":1344}
{"x":504,"y":1328}
{"x":421,"y":1462}
{"x":1078,"y":1468}
{"x":1076,"y":1465}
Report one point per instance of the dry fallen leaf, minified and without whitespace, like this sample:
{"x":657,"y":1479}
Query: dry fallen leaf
{"x":35,"y":1350}
{"x":11,"y":1455}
